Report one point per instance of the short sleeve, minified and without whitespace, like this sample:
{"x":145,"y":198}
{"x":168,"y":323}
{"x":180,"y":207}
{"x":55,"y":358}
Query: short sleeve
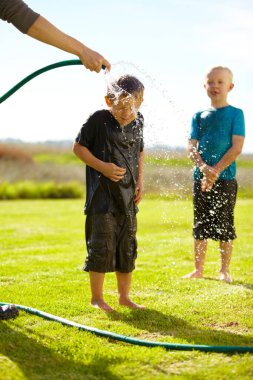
{"x":194,"y":129}
{"x":87,"y":134}
{"x":238,"y":127}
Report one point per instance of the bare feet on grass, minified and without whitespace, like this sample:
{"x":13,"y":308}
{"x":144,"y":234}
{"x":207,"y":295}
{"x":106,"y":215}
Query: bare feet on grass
{"x":225,"y":276}
{"x":132,"y":305}
{"x":194,"y":274}
{"x":101,"y":304}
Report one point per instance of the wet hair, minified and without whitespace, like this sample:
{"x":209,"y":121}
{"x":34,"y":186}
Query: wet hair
{"x":124,"y":86}
{"x":221,"y":68}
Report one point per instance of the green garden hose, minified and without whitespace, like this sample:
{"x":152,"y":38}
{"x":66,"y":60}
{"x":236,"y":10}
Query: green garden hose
{"x":38,"y":72}
{"x":134,"y":341}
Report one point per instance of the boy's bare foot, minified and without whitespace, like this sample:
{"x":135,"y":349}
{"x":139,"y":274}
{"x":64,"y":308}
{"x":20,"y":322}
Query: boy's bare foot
{"x":225,"y":276}
{"x":194,"y":274}
{"x":127,"y":302}
{"x":101,"y":304}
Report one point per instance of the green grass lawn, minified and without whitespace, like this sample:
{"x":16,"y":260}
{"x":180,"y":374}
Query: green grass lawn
{"x":42,"y":252}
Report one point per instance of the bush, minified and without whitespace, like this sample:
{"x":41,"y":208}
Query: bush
{"x":7,"y":191}
{"x":14,"y":153}
{"x":36,"y":190}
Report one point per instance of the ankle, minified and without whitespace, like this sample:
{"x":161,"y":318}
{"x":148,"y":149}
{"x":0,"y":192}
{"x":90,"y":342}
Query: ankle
{"x":199,"y":271}
{"x":123,"y":297}
{"x":224,"y":271}
{"x":96,"y":299}
{"x":225,"y":276}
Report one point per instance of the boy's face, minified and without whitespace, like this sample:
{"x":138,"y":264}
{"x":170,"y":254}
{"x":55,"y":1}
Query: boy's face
{"x":218,"y":83}
{"x":125,"y":108}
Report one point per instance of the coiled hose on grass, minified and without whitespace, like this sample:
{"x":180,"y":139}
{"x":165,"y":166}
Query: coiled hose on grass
{"x":134,"y":341}
{"x":103,"y":333}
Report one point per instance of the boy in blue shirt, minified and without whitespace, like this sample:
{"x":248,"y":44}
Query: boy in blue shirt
{"x":216,"y":140}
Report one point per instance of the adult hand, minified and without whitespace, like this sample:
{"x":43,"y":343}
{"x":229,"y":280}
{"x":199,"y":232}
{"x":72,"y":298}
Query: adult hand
{"x":46,"y":32}
{"x":92,"y":60}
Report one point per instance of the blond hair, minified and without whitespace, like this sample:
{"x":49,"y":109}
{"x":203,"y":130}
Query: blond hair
{"x":230,"y":73}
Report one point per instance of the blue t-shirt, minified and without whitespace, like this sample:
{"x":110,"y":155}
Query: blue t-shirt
{"x":213,"y":129}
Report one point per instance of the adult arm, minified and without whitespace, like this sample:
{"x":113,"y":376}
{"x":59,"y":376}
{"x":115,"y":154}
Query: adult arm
{"x":27,"y":21}
{"x":17,"y":13}
{"x":108,"y":169}
{"x":42,"y":30}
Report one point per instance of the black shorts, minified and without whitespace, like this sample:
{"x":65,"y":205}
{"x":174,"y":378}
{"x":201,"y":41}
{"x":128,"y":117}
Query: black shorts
{"x":214,"y":211}
{"x":111,"y":242}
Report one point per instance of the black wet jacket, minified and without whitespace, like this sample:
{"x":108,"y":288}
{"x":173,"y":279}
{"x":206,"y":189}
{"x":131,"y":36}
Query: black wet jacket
{"x":110,"y":142}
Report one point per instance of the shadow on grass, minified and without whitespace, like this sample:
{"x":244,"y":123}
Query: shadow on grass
{"x":37,"y":361}
{"x":244,"y":284}
{"x":237,"y":283}
{"x":156,"y":324}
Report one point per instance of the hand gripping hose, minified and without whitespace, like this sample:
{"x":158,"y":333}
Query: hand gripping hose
{"x":134,"y":341}
{"x":38,"y":72}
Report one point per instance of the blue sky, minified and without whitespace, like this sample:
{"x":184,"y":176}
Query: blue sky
{"x":168,"y":44}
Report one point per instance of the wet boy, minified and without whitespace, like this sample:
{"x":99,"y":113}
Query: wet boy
{"x":111,"y":145}
{"x":216,"y":140}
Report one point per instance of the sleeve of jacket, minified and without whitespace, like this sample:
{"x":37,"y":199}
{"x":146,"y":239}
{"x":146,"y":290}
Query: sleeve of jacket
{"x":90,"y":132}
{"x":18,"y":13}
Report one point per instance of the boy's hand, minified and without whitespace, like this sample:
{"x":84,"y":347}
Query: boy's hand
{"x":138,"y":192}
{"x":206,"y":185}
{"x":113,"y":172}
{"x":210,"y":177}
